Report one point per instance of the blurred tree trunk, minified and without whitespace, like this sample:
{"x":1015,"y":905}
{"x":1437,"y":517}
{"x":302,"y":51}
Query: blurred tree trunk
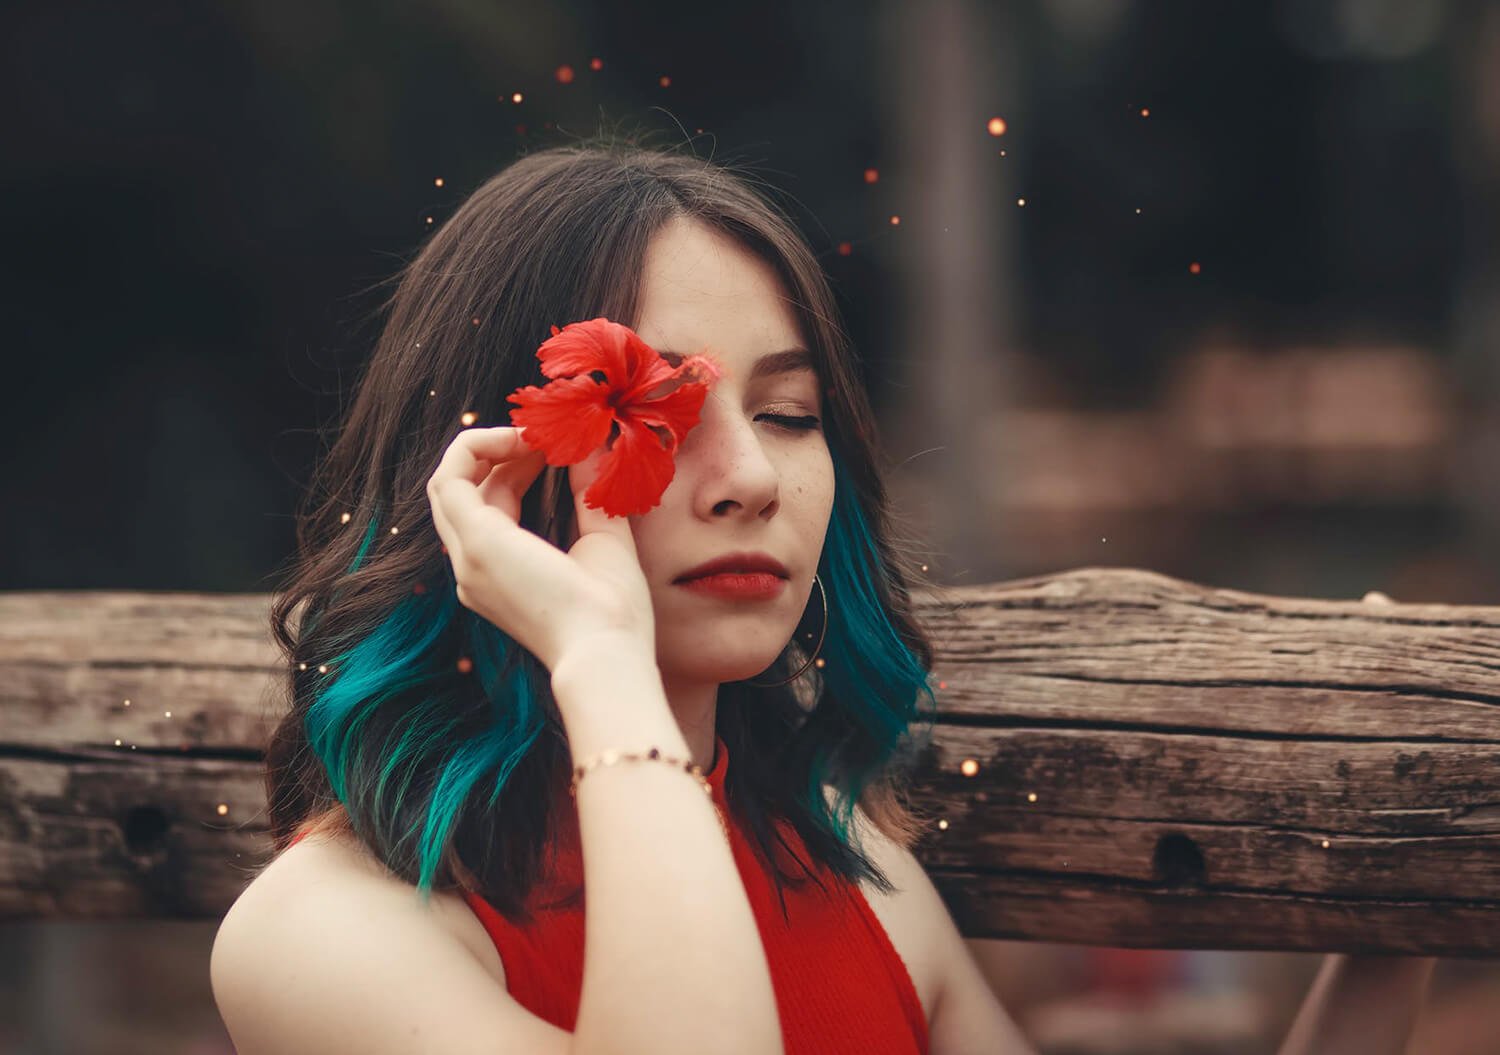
{"x":1474,"y":31}
{"x":953,"y":67}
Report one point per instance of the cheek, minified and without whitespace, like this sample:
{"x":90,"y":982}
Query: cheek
{"x":813,"y":485}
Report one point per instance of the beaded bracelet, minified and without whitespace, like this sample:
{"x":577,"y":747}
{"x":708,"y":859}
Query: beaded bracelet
{"x":611,"y":756}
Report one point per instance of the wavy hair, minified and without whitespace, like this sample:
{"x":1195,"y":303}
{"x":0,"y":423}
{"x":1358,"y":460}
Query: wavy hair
{"x":432,"y":735}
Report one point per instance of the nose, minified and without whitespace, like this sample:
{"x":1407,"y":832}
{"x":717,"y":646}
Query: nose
{"x":727,"y":464}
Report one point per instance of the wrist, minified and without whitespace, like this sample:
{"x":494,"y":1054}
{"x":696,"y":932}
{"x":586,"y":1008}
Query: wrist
{"x":608,"y":690}
{"x":615,"y":701}
{"x":602,"y":663}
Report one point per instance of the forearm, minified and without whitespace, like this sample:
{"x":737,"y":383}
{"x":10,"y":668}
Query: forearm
{"x":673,"y":960}
{"x":1360,"y":1005}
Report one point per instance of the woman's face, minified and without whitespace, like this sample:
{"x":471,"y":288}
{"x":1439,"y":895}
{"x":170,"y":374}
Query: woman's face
{"x":743,"y":480}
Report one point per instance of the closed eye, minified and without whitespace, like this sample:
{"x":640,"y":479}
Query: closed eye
{"x":795,"y":424}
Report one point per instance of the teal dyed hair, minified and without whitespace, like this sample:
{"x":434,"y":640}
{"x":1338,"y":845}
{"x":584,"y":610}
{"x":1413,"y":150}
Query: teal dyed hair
{"x":870,"y":697}
{"x":874,"y":678}
{"x":429,"y":733}
{"x":868,"y":708}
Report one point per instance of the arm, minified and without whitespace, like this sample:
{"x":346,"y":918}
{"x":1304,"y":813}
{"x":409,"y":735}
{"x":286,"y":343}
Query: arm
{"x":327,"y":952}
{"x":967,"y":1018}
{"x":673,"y":960}
{"x":1360,"y":1004}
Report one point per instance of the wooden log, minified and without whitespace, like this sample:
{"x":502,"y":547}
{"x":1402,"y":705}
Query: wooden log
{"x":1152,"y":763}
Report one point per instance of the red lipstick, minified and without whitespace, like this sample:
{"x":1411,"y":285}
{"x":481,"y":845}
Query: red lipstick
{"x":737,"y":562}
{"x":747,"y":586}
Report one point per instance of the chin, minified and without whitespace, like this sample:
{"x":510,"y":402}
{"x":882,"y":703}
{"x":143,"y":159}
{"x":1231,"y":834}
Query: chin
{"x":715,"y":665}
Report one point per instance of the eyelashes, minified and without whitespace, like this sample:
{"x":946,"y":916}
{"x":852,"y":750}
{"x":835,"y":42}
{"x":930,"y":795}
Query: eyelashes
{"x":794,"y":424}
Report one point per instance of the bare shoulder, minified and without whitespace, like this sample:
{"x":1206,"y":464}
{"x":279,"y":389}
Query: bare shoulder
{"x":327,"y":951}
{"x":329,"y":860}
{"x":907,"y":912}
{"x":963,"y":1014}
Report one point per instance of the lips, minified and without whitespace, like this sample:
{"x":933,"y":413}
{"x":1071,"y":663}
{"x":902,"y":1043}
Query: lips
{"x":737,"y":562}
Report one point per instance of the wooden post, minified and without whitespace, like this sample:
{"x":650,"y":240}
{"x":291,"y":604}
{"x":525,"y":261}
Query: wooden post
{"x":1154,"y":763}
{"x":953,"y":66}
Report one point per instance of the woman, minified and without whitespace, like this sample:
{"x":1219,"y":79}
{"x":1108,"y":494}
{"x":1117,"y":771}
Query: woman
{"x":485,"y":663}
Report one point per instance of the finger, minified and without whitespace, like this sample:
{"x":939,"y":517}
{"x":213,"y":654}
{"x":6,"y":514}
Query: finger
{"x":452,"y":546}
{"x":1376,"y":597}
{"x":470,"y":457}
{"x":490,"y":537}
{"x":590,"y":520}
{"x":508,"y":481}
{"x":473,"y":452}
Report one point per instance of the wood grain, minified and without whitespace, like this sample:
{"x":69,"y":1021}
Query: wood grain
{"x":1155,"y":763}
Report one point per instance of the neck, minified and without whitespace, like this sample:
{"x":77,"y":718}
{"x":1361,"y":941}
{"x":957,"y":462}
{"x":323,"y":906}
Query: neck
{"x":695,"y":706}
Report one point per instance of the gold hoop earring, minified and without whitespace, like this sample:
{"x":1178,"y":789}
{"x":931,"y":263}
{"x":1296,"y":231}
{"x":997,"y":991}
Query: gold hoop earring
{"x":824,"y":633}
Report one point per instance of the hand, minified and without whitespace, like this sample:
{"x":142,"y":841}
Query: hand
{"x":551,"y":602}
{"x":1361,"y":1005}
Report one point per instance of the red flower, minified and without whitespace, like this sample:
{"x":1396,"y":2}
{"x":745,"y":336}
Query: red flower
{"x":574,"y":414}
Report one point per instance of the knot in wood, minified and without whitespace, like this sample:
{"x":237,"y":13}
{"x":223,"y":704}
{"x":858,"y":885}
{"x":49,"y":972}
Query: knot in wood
{"x":1178,"y":862}
{"x":145,"y":828}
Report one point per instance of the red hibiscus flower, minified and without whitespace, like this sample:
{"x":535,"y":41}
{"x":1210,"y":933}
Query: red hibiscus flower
{"x":576,"y":413}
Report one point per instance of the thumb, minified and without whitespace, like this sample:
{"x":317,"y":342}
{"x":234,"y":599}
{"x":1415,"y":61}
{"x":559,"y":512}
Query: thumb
{"x":591,"y":521}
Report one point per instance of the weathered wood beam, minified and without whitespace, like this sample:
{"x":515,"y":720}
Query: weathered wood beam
{"x":1190,"y":751}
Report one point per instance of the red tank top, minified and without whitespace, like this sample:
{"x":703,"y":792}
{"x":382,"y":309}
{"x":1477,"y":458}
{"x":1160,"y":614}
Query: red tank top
{"x":840,"y":984}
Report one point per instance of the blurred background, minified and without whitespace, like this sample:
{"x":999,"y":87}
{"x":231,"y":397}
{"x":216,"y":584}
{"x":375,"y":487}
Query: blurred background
{"x":1207,"y":288}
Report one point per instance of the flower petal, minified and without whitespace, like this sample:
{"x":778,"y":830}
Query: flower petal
{"x":678,"y":410}
{"x":598,"y":344}
{"x":568,"y":418}
{"x":634,"y":472}
{"x":574,"y":413}
{"x":693,"y":369}
{"x":700,"y":368}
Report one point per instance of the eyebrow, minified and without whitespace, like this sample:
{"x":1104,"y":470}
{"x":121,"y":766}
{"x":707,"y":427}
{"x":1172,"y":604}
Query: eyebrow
{"x":783,"y":362}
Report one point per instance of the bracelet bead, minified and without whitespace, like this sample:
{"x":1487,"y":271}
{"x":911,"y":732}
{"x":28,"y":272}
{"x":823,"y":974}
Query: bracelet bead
{"x":610,"y":756}
{"x":687,"y":765}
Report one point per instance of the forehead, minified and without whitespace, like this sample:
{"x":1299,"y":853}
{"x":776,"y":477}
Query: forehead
{"x":701,"y":288}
